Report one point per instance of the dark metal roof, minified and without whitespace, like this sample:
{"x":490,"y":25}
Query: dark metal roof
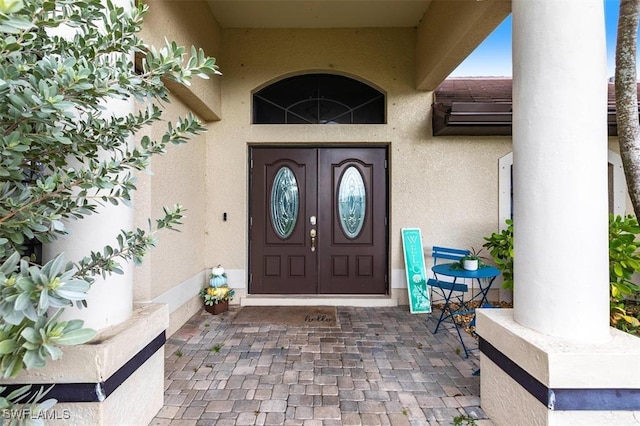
{"x":483,"y":107}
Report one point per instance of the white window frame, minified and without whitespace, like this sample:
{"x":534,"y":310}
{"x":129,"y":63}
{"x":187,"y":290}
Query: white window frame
{"x":505,"y":184}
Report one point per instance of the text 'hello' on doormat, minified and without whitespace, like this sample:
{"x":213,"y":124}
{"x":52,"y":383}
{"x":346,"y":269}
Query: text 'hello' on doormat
{"x":302,"y":316}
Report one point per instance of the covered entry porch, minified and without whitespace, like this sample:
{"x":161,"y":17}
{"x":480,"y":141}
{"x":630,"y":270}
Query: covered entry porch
{"x":560,"y":185}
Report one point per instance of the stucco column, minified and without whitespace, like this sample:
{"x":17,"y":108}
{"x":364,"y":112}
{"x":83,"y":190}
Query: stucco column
{"x":88,"y":382}
{"x":110,"y":300}
{"x":560,"y":168}
{"x":572,"y":367}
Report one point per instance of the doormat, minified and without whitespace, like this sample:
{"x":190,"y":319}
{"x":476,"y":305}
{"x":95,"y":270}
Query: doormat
{"x":299,"y":316}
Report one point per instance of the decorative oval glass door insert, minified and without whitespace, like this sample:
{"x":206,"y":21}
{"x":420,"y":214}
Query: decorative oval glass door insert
{"x":352,"y":202}
{"x":284,"y":202}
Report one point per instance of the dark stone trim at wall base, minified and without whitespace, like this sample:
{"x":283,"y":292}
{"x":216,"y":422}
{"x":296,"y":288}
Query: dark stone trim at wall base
{"x":94,"y":392}
{"x":537,"y":389}
{"x":563,"y":399}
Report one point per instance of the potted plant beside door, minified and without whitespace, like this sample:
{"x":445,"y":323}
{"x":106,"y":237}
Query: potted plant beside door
{"x":217,"y":294}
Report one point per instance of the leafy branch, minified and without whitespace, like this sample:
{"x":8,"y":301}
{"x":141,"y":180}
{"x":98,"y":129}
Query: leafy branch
{"x":62,"y":158}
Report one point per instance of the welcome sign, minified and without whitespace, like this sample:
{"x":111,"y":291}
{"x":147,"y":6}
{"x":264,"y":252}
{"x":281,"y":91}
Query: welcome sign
{"x":419,"y":301}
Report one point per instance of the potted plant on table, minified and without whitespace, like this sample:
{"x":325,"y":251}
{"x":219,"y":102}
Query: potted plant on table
{"x":217,"y":294}
{"x":472,"y":261}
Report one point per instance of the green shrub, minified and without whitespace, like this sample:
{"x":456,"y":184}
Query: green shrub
{"x":500,"y":247}
{"x":624,"y":262}
{"x":62,"y":158}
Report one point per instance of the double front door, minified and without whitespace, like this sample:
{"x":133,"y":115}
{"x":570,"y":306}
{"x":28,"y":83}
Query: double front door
{"x":318,"y":221}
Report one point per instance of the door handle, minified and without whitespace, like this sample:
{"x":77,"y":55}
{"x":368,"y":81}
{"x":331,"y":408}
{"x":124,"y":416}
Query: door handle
{"x":312,"y":234}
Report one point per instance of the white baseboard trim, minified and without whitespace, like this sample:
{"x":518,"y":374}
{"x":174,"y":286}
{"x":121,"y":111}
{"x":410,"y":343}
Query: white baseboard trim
{"x":398,"y":278}
{"x":183,"y":292}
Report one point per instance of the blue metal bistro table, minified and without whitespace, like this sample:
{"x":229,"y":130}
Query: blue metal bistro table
{"x":456,"y":305}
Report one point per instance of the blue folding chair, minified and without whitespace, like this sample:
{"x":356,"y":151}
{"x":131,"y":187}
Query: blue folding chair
{"x":449,"y":291}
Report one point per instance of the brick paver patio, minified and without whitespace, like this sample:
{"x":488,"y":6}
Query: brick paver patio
{"x":379,"y":366}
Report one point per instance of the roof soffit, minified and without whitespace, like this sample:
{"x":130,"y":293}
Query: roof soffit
{"x":318,"y":13}
{"x":447,"y":31}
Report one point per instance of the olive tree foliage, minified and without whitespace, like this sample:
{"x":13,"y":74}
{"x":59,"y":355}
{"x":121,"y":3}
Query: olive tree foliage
{"x":62,"y":157}
{"x":626,"y":88}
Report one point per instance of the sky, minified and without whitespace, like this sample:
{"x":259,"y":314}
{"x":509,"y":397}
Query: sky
{"x":493,"y":57}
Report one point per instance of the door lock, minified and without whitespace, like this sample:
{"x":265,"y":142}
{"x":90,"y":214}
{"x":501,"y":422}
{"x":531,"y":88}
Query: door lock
{"x":312,"y":234}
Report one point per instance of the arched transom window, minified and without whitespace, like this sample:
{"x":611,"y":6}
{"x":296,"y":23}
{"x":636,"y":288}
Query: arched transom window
{"x":318,"y":99}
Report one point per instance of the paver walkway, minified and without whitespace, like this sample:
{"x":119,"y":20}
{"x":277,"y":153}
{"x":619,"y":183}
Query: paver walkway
{"x":379,"y":366}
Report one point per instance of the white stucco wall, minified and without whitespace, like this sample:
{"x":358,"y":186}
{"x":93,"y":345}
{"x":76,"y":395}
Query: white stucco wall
{"x":178,"y":178}
{"x":174,"y":270}
{"x":445,"y":186}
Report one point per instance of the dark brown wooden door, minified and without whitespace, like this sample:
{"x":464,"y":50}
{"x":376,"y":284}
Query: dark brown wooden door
{"x":352,"y":245}
{"x":337,"y":194}
{"x":281,"y":258}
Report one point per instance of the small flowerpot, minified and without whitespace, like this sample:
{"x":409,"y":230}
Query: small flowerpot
{"x":218,"y":308}
{"x":470,"y":264}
